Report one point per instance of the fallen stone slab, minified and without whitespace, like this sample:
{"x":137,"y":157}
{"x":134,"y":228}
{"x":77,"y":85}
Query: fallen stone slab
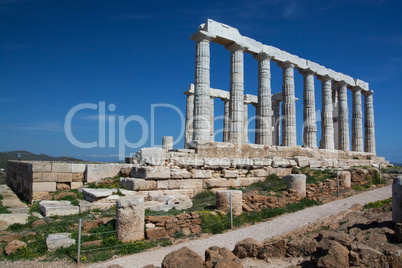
{"x":169,"y":202}
{"x":8,"y":219}
{"x":57,"y":208}
{"x":59,"y":240}
{"x":105,"y":195}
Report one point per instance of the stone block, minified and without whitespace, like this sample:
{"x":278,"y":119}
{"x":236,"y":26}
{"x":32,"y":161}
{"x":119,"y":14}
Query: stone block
{"x":157,"y":195}
{"x":182,"y":192}
{"x":262,"y":162}
{"x":63,"y":186}
{"x":37,"y":176}
{"x":59,"y":240}
{"x":41,"y":166}
{"x":191,"y":184}
{"x":217,"y":163}
{"x":137,"y":184}
{"x":156,"y":233}
{"x":78,"y":168}
{"x":314,"y":163}
{"x":202,"y":173}
{"x":345,"y":179}
{"x":153,"y":172}
{"x":231,"y":173}
{"x":77,"y":177}
{"x":259,"y":173}
{"x":219,"y":183}
{"x":49,"y":177}
{"x":8,"y":219}
{"x":185,"y":162}
{"x":176,"y":173}
{"x":64,"y":177}
{"x":57,"y":208}
{"x":95,"y":172}
{"x":61,"y":167}
{"x":152,"y":154}
{"x":76,"y":185}
{"x":44,"y":187}
{"x":296,"y":182}
{"x":279,"y":171}
{"x":242,"y":162}
{"x":223,"y":201}
{"x":170,"y":202}
{"x":302,"y":161}
{"x":130,"y":215}
{"x":280,"y":162}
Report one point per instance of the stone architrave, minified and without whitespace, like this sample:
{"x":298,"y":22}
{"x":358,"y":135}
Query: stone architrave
{"x":167,"y":142}
{"x":264,"y":106}
{"x":397,"y":200}
{"x":236,"y":105}
{"x":343,"y":117}
{"x":288,"y":106}
{"x":296,"y":182}
{"x":327,"y":125}
{"x":202,"y":101}
{"x":369,"y":131}
{"x":189,"y":118}
{"x":309,"y":119}
{"x":130,"y":214}
{"x":226,"y":120}
{"x":223,"y":201}
{"x":357,"y":121}
{"x":276,"y":121}
{"x":245,"y":134}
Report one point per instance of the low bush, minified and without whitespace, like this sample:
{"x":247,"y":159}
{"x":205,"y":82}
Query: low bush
{"x":378,"y":204}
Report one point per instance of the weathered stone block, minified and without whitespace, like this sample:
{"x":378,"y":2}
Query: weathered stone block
{"x":202,"y":174}
{"x":296,"y":182}
{"x":186,"y":162}
{"x":153,"y":172}
{"x":78,"y":168}
{"x":302,"y":161}
{"x":262,"y":162}
{"x":242,"y":162}
{"x":76,"y":185}
{"x":64,"y":177}
{"x":137,"y":184}
{"x":49,"y":177}
{"x":223,"y":201}
{"x":59,"y":240}
{"x":130,"y":214}
{"x":231,"y":173}
{"x":57,"y":208}
{"x":61,"y":167}
{"x":218,"y":183}
{"x":191,"y":184}
{"x":44,"y":187}
{"x":77,"y":177}
{"x":63,"y":186}
{"x":179,"y":174}
{"x":41,"y":166}
{"x":37,"y":177}
{"x":259,"y":173}
{"x":215,"y":163}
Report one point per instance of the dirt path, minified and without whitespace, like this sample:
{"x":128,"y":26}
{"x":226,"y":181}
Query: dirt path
{"x":261,"y":231}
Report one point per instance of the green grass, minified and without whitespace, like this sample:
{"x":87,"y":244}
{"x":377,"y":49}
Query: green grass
{"x":3,"y":209}
{"x":378,"y":204}
{"x":271,"y":184}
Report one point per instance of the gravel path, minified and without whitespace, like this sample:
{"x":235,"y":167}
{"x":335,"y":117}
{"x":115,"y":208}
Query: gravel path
{"x":260,"y":231}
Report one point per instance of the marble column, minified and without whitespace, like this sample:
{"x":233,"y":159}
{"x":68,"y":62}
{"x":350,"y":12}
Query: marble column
{"x":189,"y":118}
{"x":369,"y":132}
{"x":288,"y":106}
{"x":309,"y":120}
{"x":226,"y":121}
{"x":335,"y":116}
{"x":256,"y":132}
{"x":245,"y":134}
{"x":236,"y":93}
{"x":327,"y":124}
{"x":276,"y":108}
{"x":202,"y":107}
{"x":212,"y":119}
{"x":343,"y":117}
{"x":357,"y":124}
{"x":264,"y":106}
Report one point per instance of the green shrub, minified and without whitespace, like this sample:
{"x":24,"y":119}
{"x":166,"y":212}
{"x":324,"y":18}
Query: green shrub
{"x":378,"y":204}
{"x":271,"y":183}
{"x":214,"y":223}
{"x":34,"y":207}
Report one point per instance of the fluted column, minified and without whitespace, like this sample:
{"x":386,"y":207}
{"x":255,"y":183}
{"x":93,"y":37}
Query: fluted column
{"x":264,"y":108}
{"x":245,"y":134}
{"x":369,"y":132}
{"x":202,"y":111}
{"x":276,"y":108}
{"x":212,"y":119}
{"x":288,"y":106}
{"x":226,"y":121}
{"x":236,"y":93}
{"x":189,"y":118}
{"x":309,"y":120}
{"x":335,"y":116}
{"x":327,"y":124}
{"x":357,"y":124}
{"x":343,"y":117}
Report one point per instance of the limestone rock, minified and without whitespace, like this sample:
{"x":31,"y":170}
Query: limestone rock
{"x":367,"y":257}
{"x":274,"y":250}
{"x":214,"y":254}
{"x":248,"y":248}
{"x":59,"y":240}
{"x":8,"y":219}
{"x":183,"y":257}
{"x":330,"y":254}
{"x":9,"y":237}
{"x":228,"y":264}
{"x":130,"y":218}
{"x":156,"y":233}
{"x":57,"y":208}
{"x":64,"y":194}
{"x":300,"y":247}
{"x":13,"y":246}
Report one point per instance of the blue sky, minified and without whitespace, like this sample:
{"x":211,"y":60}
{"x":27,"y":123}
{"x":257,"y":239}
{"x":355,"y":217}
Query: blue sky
{"x":133,"y":54}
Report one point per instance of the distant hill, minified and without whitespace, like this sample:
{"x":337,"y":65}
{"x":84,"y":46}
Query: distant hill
{"x":397,"y":164}
{"x":5,"y":156}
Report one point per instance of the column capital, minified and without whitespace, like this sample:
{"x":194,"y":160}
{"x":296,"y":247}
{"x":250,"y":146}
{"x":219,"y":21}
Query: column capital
{"x":354,"y":89}
{"x":324,"y":78}
{"x":235,"y":47}
{"x":188,"y":93}
{"x":262,"y":56}
{"x":305,"y":72}
{"x":367,"y":93}
{"x":286,"y":64}
{"x":339,"y":84}
{"x":202,"y":35}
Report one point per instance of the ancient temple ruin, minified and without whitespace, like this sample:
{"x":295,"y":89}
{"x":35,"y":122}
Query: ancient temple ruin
{"x":200,"y":108}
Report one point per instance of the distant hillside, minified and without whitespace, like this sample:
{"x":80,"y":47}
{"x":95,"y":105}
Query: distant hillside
{"x":397,"y":164}
{"x":5,"y":156}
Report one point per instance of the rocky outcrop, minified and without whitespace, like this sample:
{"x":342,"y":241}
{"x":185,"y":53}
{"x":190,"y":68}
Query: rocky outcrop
{"x":181,"y":258}
{"x":248,"y":248}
